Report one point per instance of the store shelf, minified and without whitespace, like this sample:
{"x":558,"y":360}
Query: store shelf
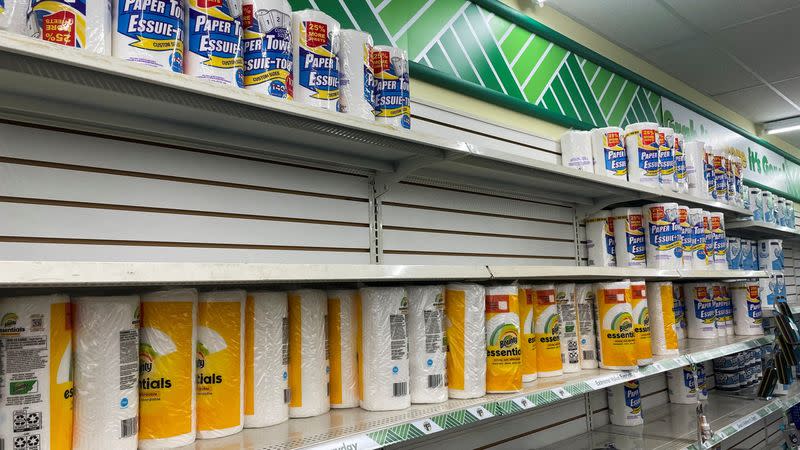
{"x":760,"y":230}
{"x":606,"y":273}
{"x":52,"y":85}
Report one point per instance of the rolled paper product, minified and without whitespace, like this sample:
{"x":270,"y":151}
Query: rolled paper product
{"x":641,"y":323}
{"x":791,"y":220}
{"x":615,"y":325}
{"x":149,"y":33}
{"x":219,"y":23}
{"x":567,"y":312}
{"x":734,"y":254}
{"x":720,"y":241}
{"x":747,"y":319}
{"x":427,"y":344}
{"x":679,"y":309}
{"x":768,"y":206}
{"x":503,"y":354}
{"x":13,"y":18}
{"x":547,"y":325}
{"x":625,"y":404}
{"x":84,"y":25}
{"x":392,"y":97}
{"x":700,"y":311}
{"x":315,"y":67}
{"x":600,"y":239}
{"x":357,"y":80}
{"x":641,"y":145}
{"x":719,"y":162}
{"x":167,"y":369}
{"x":587,"y":335}
{"x":730,"y":163}
{"x":709,"y":171}
{"x":308,"y":353}
{"x":687,"y":237}
{"x":698,"y":240}
{"x":663,"y":327}
{"x":771,"y":290}
{"x":754,"y":254}
{"x":528,"y":332}
{"x":770,"y":255}
{"x":695,"y":154}
{"x":746,"y":258}
{"x":629,"y":243}
{"x":720,"y":307}
{"x":756,"y":203}
{"x":780,"y":211}
{"x":682,"y":386}
{"x":700,"y":379}
{"x":465,"y":306}
{"x":576,"y":150}
{"x":105,"y":333}
{"x":666,"y":158}
{"x":709,"y":240}
{"x":663,"y":235}
{"x":268,"y":47}
{"x":737,"y":166}
{"x":681,"y":183}
{"x":608,"y":152}
{"x":342,"y":338}
{"x":39,"y":328}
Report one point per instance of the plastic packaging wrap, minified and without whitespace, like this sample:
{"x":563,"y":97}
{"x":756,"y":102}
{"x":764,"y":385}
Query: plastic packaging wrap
{"x":105,"y":334}
{"x":678,"y":147}
{"x":587,"y":335}
{"x":629,"y":242}
{"x":266,"y":356}
{"x":528,"y":333}
{"x":576,"y":150}
{"x":718,"y":298}
{"x":342,"y":343}
{"x":679,"y":309}
{"x":700,"y":311}
{"x":308,"y":353}
{"x":625,"y":404}
{"x":547,"y":325}
{"x":747,"y":319}
{"x":315,"y":73}
{"x":214,"y":41}
{"x":39,"y":328}
{"x":357,"y":82}
{"x":608,"y":152}
{"x":465,"y":307}
{"x":149,"y":33}
{"x":771,"y":290}
{"x":687,"y":237}
{"x":427,"y":344}
{"x":663,"y":235}
{"x":728,"y":310}
{"x":698,"y":241}
{"x":663,"y":328}
{"x":641,"y":145}
{"x":600,"y":239}
{"x":682,"y":386}
{"x":615,"y":325}
{"x":780,"y":211}
{"x":503,"y":353}
{"x":666,"y":158}
{"x":770,"y":255}
{"x":700,"y":379}
{"x":383,"y":353}
{"x":719,"y":162}
{"x":695,"y":168}
{"x":72,"y":24}
{"x":268,"y":47}
{"x":568,"y":316}
{"x":755,"y":203}
{"x":720,"y":241}
{"x":392,"y":95}
{"x":641,"y":323}
{"x":167,"y":369}
{"x":768,"y":206}
{"x":13,"y":16}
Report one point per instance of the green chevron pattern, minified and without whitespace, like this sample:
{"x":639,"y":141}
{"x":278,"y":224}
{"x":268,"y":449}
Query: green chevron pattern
{"x":454,"y":419}
{"x":396,"y":434}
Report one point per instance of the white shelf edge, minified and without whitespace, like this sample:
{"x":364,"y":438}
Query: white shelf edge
{"x":758,"y":228}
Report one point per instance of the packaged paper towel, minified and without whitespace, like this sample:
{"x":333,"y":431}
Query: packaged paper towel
{"x":641,"y":144}
{"x":357,"y":81}
{"x":780,"y":211}
{"x":709,"y":171}
{"x":755,"y":203}
{"x":700,"y":311}
{"x":727,"y":315}
{"x":576,"y":150}
{"x":215,"y":42}
{"x":383,"y":352}
{"x":730,"y":163}
{"x":503,"y":353}
{"x":220,"y":363}
{"x":587,"y":335}
{"x":615,"y":325}
{"x":679,"y":309}
{"x":465,"y":306}
{"x":149,"y":33}
{"x":737,"y":169}
{"x":663,"y":235}
{"x":772,"y":290}
{"x":687,"y":237}
{"x":718,"y":298}
{"x":427,"y":344}
{"x":568,"y":314}
{"x":105,"y":335}
{"x":641,"y":323}
{"x":770,"y":255}
{"x":600,"y":239}
{"x":720,"y":241}
{"x":625,"y":404}
{"x":528,"y":332}
{"x":746,"y":252}
{"x":608,"y":152}
{"x":734,"y":255}
{"x":697,"y":240}
{"x":719,"y":162}
{"x":768,"y":206}
{"x":308,"y":353}
{"x":695,"y":154}
{"x":268,"y":47}
{"x":629,"y":244}
{"x":681,"y":182}
{"x":791,"y":220}
{"x":547,"y":325}
{"x":342,"y":343}
{"x":38,"y":374}
{"x":84,"y":24}
{"x":666,"y":158}
{"x":663,"y":331}
{"x":167,"y":366}
{"x":13,"y":16}
{"x":266,"y":356}
{"x":315,"y":71}
{"x":682,"y":386}
{"x":392,"y":95}
{"x":746,"y":308}
{"x":710,"y":239}
{"x":700,"y":379}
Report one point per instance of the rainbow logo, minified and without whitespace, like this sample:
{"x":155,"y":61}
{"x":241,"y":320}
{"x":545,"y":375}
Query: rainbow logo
{"x":504,"y":336}
{"x":553,"y":325}
{"x":623,"y":322}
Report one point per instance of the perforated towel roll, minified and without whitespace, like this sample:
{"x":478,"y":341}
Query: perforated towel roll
{"x":315,"y":72}
{"x":615,"y":325}
{"x":503,"y":353}
{"x":641,"y":323}
{"x":700,"y":311}
{"x":12,"y":16}
{"x":641,"y":145}
{"x":392,"y":96}
{"x":663,"y":235}
{"x":308,"y":353}
{"x":268,"y":47}
{"x":466,"y":340}
{"x":568,"y":314}
{"x":214,"y":41}
{"x":682,"y":386}
{"x":600,"y":239}
{"x":149,"y":33}
{"x":84,"y":25}
{"x":663,"y":326}
{"x":587,"y":335}
{"x":629,"y":242}
{"x":357,"y":80}
{"x":608,"y":152}
{"x":625,"y":404}
{"x":547,"y":325}
{"x":576,"y":150}
{"x":746,"y":308}
{"x":695,"y":168}
{"x":528,"y":333}
{"x":427,"y":344}
{"x":342,"y":339}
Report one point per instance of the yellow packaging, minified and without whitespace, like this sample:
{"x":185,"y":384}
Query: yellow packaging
{"x":503,"y":353}
{"x":547,"y":327}
{"x":663,"y":324}
{"x":641,"y":323}
{"x":528,"y":334}
{"x":615,"y":320}
{"x":465,"y":306}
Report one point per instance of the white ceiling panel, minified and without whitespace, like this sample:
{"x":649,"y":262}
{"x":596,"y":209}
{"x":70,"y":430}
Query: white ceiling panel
{"x":713,"y":15}
{"x":791,"y":89}
{"x":759,"y":104}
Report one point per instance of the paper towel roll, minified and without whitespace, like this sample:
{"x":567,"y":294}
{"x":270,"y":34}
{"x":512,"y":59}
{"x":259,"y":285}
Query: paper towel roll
{"x":754,"y":254}
{"x":214,"y":41}
{"x":383,"y":353}
{"x":720,"y":241}
{"x":768,"y":206}
{"x":719,"y":161}
{"x":81,"y":25}
{"x":662,"y":235}
{"x":576,"y":150}
{"x":641,"y":323}
{"x":615,"y":325}
{"x":427,"y":344}
{"x":682,"y":386}
{"x":465,"y":306}
{"x":709,"y":170}
{"x":392,"y":97}
{"x":342,"y":338}
{"x":629,"y":234}
{"x":105,"y":332}
{"x":625,"y":404}
{"x":13,"y":16}
{"x":266,"y":355}
{"x":608,"y":152}
{"x":587,"y":335}
{"x":526,"y":297}
{"x":503,"y":353}
{"x":700,"y":379}
{"x":687,"y":237}
{"x":771,"y":290}
{"x":770,"y":255}
{"x":746,"y":308}
{"x":791,"y":220}
{"x":678,"y":146}
{"x":695,"y":154}
{"x":38,"y":372}
{"x":309,"y":376}
{"x":679,"y":309}
{"x":780,"y":211}
{"x":149,"y":33}
{"x":734,"y":255}
{"x":568,"y":314}
{"x":547,"y":325}
{"x":660,"y":303}
{"x":315,"y":67}
{"x":268,"y":47}
{"x":730,"y":163}
{"x":700,"y":311}
{"x":666,"y":158}
{"x":167,"y":369}
{"x":641,"y":144}
{"x":746,"y":250}
{"x":697,"y":241}
{"x":722,"y":306}
{"x":600,"y":239}
{"x":357,"y":80}
{"x":710,"y":240}
{"x":755,"y":202}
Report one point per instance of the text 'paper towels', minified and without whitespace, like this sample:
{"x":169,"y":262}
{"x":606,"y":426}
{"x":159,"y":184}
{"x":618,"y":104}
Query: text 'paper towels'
{"x":608,"y":152}
{"x":315,"y":73}
{"x":663,"y":235}
{"x":747,"y":319}
{"x":700,"y":311}
{"x":268,"y":47}
{"x":641,"y":145}
{"x":214,"y":42}
{"x":149,"y":33}
{"x":392,"y":95}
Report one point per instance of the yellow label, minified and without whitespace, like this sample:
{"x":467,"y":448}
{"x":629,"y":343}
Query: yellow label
{"x":219,"y":362}
{"x":503,"y":353}
{"x":295,"y":351}
{"x":528,"y":341}
{"x":335,"y":344}
{"x":547,"y":327}
{"x":166,"y":356}
{"x":616,"y":327}
{"x":667,"y":305}
{"x":249,"y":356}
{"x":641,"y":322}
{"x":454,"y":308}
{"x":61,"y":387}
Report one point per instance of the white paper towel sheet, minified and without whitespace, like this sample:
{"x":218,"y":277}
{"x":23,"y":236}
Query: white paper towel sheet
{"x":342,"y":339}
{"x":641,"y":145}
{"x":587,"y":335}
{"x":357,"y":80}
{"x":149,"y":33}
{"x":167,"y":369}
{"x":13,"y":16}
{"x":503,"y":353}
{"x":384,"y":349}
{"x":663,"y":235}
{"x":528,"y":333}
{"x":666,"y":158}
{"x":697,"y":183}
{"x":629,"y":242}
{"x":747,"y":319}
{"x":615,"y":325}
{"x":105,"y":334}
{"x":682,"y":386}
{"x":84,"y":25}
{"x":625,"y":404}
{"x":214,"y":42}
{"x":465,"y":307}
{"x":308,"y":353}
{"x":268,"y":47}
{"x":392,"y":95}
{"x":600,"y":242}
{"x":576,"y":150}
{"x":568,"y":314}
{"x":427,"y":344}
{"x":608,"y":152}
{"x":700,"y":311}
{"x":38,"y":328}
{"x":641,"y":323}
{"x":266,"y":356}
{"x":315,"y":73}
{"x":547,"y":326}
{"x":663,"y":327}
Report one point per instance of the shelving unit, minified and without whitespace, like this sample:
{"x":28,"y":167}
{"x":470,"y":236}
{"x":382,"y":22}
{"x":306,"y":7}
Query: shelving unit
{"x":760,"y":230}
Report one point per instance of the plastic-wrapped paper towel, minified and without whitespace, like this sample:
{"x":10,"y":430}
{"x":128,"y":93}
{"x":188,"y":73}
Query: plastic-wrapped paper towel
{"x":666,"y":158}
{"x":266,"y":356}
{"x":770,"y":255}
{"x":746,"y":251}
{"x":526,"y":297}
{"x":167,"y":369}
{"x":608,"y":152}
{"x":149,"y":33}
{"x":772,"y":290}
{"x":625,"y":404}
{"x":768,"y":206}
{"x":791,"y":220}
{"x":84,"y":24}
{"x":214,"y":41}
{"x":568,"y":314}
{"x":641,"y":144}
{"x":641,"y":323}
{"x":383,"y":349}
{"x":687,"y":237}
{"x":695,"y":155}
{"x":746,"y":308}
{"x":587,"y":335}
{"x":721,"y":306}
{"x":720,"y":241}
{"x":427,"y":344}
{"x":681,"y":182}
{"x":342,"y":338}
{"x":737,"y":169}
{"x":780,"y":211}
{"x":315,"y":67}
{"x":13,"y":16}
{"x":547,"y":325}
{"x":308,"y":353}
{"x":105,"y":335}
{"x":600,"y":239}
{"x":663,"y":328}
{"x":662,"y":235}
{"x":709,"y":171}
{"x":699,"y":256}
{"x":719,"y":162}
{"x":679,"y":309}
{"x":503,"y":353}
{"x":392,"y":95}
{"x":682,"y":386}
{"x":576,"y":150}
{"x":39,"y":328}
{"x":755,"y":203}
{"x":700,"y":311}
{"x":629,"y":243}
{"x":615,"y":325}
{"x":734,"y":255}
{"x":465,"y":306}
{"x":357,"y":81}
{"x":268,"y":47}
{"x":710,"y":240}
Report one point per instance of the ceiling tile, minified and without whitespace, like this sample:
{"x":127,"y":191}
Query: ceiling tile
{"x":712,"y":15}
{"x":791,"y":89}
{"x":758,"y":104}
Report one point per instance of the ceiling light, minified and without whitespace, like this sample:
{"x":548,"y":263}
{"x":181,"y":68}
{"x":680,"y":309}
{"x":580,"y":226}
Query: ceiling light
{"x":782,"y":126}
{"x":784,"y":129}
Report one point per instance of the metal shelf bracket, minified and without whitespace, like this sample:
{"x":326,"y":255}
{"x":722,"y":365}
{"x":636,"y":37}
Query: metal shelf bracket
{"x":384,"y":181}
{"x":581,"y":212}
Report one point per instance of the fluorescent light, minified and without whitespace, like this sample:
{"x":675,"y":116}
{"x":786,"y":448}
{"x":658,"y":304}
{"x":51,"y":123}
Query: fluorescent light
{"x":784,"y":129}
{"x":783,"y":125}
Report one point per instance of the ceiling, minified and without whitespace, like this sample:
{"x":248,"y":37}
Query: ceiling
{"x":742,"y":53}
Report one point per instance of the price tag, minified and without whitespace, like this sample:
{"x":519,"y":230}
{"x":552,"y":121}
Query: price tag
{"x":523,"y":402}
{"x":746,"y":422}
{"x":603,"y":382}
{"x":427,"y":426}
{"x":659,"y":367}
{"x":561,"y":393}
{"x":354,"y":442}
{"x":479,"y":412}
